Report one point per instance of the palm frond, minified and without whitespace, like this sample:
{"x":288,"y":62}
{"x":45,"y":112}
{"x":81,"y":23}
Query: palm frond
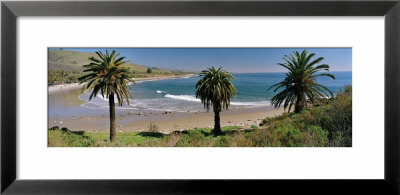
{"x":107,"y":75}
{"x":215,"y":88}
{"x":300,"y":83}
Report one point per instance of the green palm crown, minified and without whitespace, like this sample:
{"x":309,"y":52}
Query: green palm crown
{"x":299,"y":85}
{"x":107,"y":75}
{"x":215,"y":88}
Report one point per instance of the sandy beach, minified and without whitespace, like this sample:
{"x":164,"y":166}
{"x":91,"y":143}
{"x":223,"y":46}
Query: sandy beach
{"x":63,"y":87}
{"x":167,"y":121}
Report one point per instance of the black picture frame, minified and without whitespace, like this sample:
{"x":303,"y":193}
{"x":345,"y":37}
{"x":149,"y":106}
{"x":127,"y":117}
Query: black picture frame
{"x":10,"y":10}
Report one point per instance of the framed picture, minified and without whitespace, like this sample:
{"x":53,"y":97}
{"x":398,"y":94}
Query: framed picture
{"x":257,"y":95}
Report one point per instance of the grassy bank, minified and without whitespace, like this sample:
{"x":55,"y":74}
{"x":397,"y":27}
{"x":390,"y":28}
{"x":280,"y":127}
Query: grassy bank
{"x":197,"y":137}
{"x":326,"y":125}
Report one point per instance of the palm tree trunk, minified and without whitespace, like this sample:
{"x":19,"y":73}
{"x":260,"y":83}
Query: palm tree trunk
{"x":299,"y":103}
{"x":113,"y":130}
{"x":217,"y":125}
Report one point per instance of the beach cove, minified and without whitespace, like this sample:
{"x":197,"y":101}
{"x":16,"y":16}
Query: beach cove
{"x":169,"y":102}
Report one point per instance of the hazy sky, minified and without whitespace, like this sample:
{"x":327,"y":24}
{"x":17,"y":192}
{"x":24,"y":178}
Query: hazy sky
{"x":230,"y":59}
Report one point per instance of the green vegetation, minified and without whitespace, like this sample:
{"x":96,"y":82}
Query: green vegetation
{"x":108,"y":75}
{"x":215,"y":89}
{"x":327,"y":125}
{"x":195,"y":138}
{"x":63,"y":76}
{"x":66,"y":138}
{"x":299,"y":85}
{"x":148,"y":70}
{"x":65,"y":66}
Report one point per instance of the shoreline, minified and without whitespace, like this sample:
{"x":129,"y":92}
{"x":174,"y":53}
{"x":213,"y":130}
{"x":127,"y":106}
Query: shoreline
{"x":66,"y":87}
{"x":166,"y":121}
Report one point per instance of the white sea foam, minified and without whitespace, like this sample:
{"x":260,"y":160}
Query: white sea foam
{"x":177,"y":103}
{"x":105,"y":98}
{"x":183,"y":97}
{"x":252,"y":104}
{"x":102,"y":98}
{"x":194,"y":99}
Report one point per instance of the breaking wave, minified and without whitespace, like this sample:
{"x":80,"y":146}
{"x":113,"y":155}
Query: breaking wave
{"x":192,"y":98}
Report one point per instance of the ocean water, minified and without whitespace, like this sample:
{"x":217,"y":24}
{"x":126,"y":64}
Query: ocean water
{"x":178,"y":94}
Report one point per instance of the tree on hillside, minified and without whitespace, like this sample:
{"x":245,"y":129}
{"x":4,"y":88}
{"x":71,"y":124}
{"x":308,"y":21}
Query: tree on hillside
{"x":300,"y":82}
{"x":149,"y":70}
{"x":215,"y":89}
{"x":108,"y":76}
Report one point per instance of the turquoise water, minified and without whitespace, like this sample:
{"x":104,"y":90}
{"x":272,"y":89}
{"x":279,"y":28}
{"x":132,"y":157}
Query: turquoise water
{"x":178,"y":94}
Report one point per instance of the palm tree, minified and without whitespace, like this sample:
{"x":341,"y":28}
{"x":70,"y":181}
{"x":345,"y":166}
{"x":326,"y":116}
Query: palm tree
{"x":300,"y":82}
{"x":215,"y":89}
{"x":107,"y":75}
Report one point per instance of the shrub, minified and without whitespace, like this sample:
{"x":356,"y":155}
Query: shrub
{"x":67,"y":138}
{"x":265,"y":121}
{"x":315,"y":136}
{"x":324,"y":125}
{"x":286,"y":134}
{"x":195,"y":138}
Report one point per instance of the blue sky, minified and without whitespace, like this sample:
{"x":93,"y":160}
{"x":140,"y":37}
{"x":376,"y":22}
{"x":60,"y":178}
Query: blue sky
{"x":231,"y":59}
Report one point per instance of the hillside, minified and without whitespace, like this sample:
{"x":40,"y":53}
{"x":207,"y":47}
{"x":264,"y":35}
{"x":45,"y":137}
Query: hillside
{"x":73,"y":60}
{"x":65,"y":66}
